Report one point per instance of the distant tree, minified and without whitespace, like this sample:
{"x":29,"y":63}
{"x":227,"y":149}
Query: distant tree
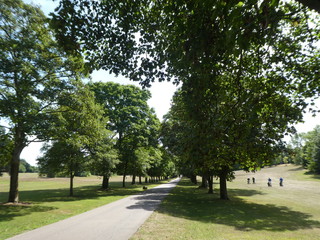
{"x":33,"y":72}
{"x":310,"y":150}
{"x":134,"y":124}
{"x":78,"y":123}
{"x":25,"y":167}
{"x":63,"y":159}
{"x":104,"y":158}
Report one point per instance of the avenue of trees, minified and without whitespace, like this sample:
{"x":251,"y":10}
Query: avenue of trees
{"x":245,"y":68}
{"x":43,"y":99}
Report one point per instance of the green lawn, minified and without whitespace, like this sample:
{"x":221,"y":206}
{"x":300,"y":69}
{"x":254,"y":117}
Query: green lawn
{"x":46,"y":200}
{"x":255,"y":211}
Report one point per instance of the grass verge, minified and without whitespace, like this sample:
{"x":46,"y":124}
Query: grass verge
{"x":46,"y":200}
{"x":254,"y":211}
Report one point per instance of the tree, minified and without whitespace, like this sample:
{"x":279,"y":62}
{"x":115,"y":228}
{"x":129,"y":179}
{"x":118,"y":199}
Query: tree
{"x":33,"y":72}
{"x":78,"y":124}
{"x":130,"y":118}
{"x":25,"y":167}
{"x":104,"y":158}
{"x":63,"y":159}
{"x":308,"y":150}
{"x":245,"y":66}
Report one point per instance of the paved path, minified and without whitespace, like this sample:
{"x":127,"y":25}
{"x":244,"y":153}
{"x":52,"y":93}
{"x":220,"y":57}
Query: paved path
{"x":118,"y":220}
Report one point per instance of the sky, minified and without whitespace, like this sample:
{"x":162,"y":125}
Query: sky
{"x":160,"y":100}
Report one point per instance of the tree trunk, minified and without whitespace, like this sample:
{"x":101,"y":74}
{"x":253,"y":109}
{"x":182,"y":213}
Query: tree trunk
{"x":140,"y":181}
{"x":71,"y":184}
{"x":124,"y":180}
{"x":146,"y":180}
{"x":133,"y":179}
{"x":14,"y":169}
{"x":210,"y":183}
{"x":204,"y":181}
{"x":193,"y":179}
{"x":105,"y":182}
{"x":223,"y":185}
{"x":124,"y":174}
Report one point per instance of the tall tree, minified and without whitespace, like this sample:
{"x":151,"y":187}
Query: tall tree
{"x":130,"y":118}
{"x":33,"y":72}
{"x":63,"y":159}
{"x":78,"y":124}
{"x":245,"y":65}
{"x":104,"y":158}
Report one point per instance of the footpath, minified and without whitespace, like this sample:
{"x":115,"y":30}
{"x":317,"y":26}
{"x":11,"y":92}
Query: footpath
{"x":115,"y":221}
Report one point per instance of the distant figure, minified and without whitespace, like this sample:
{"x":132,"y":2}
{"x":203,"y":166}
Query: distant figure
{"x":248,"y":180}
{"x":253,"y":180}
{"x":269,"y":182}
{"x":281,"y":182}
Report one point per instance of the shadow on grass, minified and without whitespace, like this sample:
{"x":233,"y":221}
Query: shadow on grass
{"x":35,"y":197}
{"x":83,"y":192}
{"x":297,"y":168}
{"x":9,"y":212}
{"x":196,"y":205}
{"x":312,"y":175}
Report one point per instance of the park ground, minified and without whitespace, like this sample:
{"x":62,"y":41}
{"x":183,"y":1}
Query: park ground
{"x":46,"y":200}
{"x":255,"y":211}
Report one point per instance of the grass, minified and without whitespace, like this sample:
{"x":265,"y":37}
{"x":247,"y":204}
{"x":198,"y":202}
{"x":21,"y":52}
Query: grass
{"x":46,"y":200}
{"x":255,"y":211}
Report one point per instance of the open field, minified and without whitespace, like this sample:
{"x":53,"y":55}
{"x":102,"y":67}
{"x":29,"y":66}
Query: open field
{"x":255,"y":211}
{"x":46,"y":200}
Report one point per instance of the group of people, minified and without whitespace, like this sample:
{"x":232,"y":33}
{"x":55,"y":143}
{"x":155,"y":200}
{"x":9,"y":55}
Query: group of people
{"x":280,"y":182}
{"x":269,"y":181}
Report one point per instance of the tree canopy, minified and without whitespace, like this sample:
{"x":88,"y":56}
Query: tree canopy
{"x":34,"y":71}
{"x":246,"y":67}
{"x":133,"y":122}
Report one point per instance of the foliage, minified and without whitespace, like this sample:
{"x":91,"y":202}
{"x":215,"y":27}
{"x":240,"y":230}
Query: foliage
{"x":305,"y":149}
{"x":245,"y":67}
{"x":134,"y":124}
{"x":6,"y":146}
{"x":34,"y":71}
{"x":78,"y":123}
{"x":25,"y":167}
{"x":104,"y":158}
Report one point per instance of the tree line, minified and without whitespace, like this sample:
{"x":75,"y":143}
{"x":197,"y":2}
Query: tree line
{"x":105,"y":128}
{"x":303,"y":149}
{"x":246,"y":69}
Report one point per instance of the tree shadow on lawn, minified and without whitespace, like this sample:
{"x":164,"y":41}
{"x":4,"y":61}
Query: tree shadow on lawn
{"x":243,"y":215}
{"x":9,"y":212}
{"x":31,"y":199}
{"x":312,"y":175}
{"x":80,"y":193}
